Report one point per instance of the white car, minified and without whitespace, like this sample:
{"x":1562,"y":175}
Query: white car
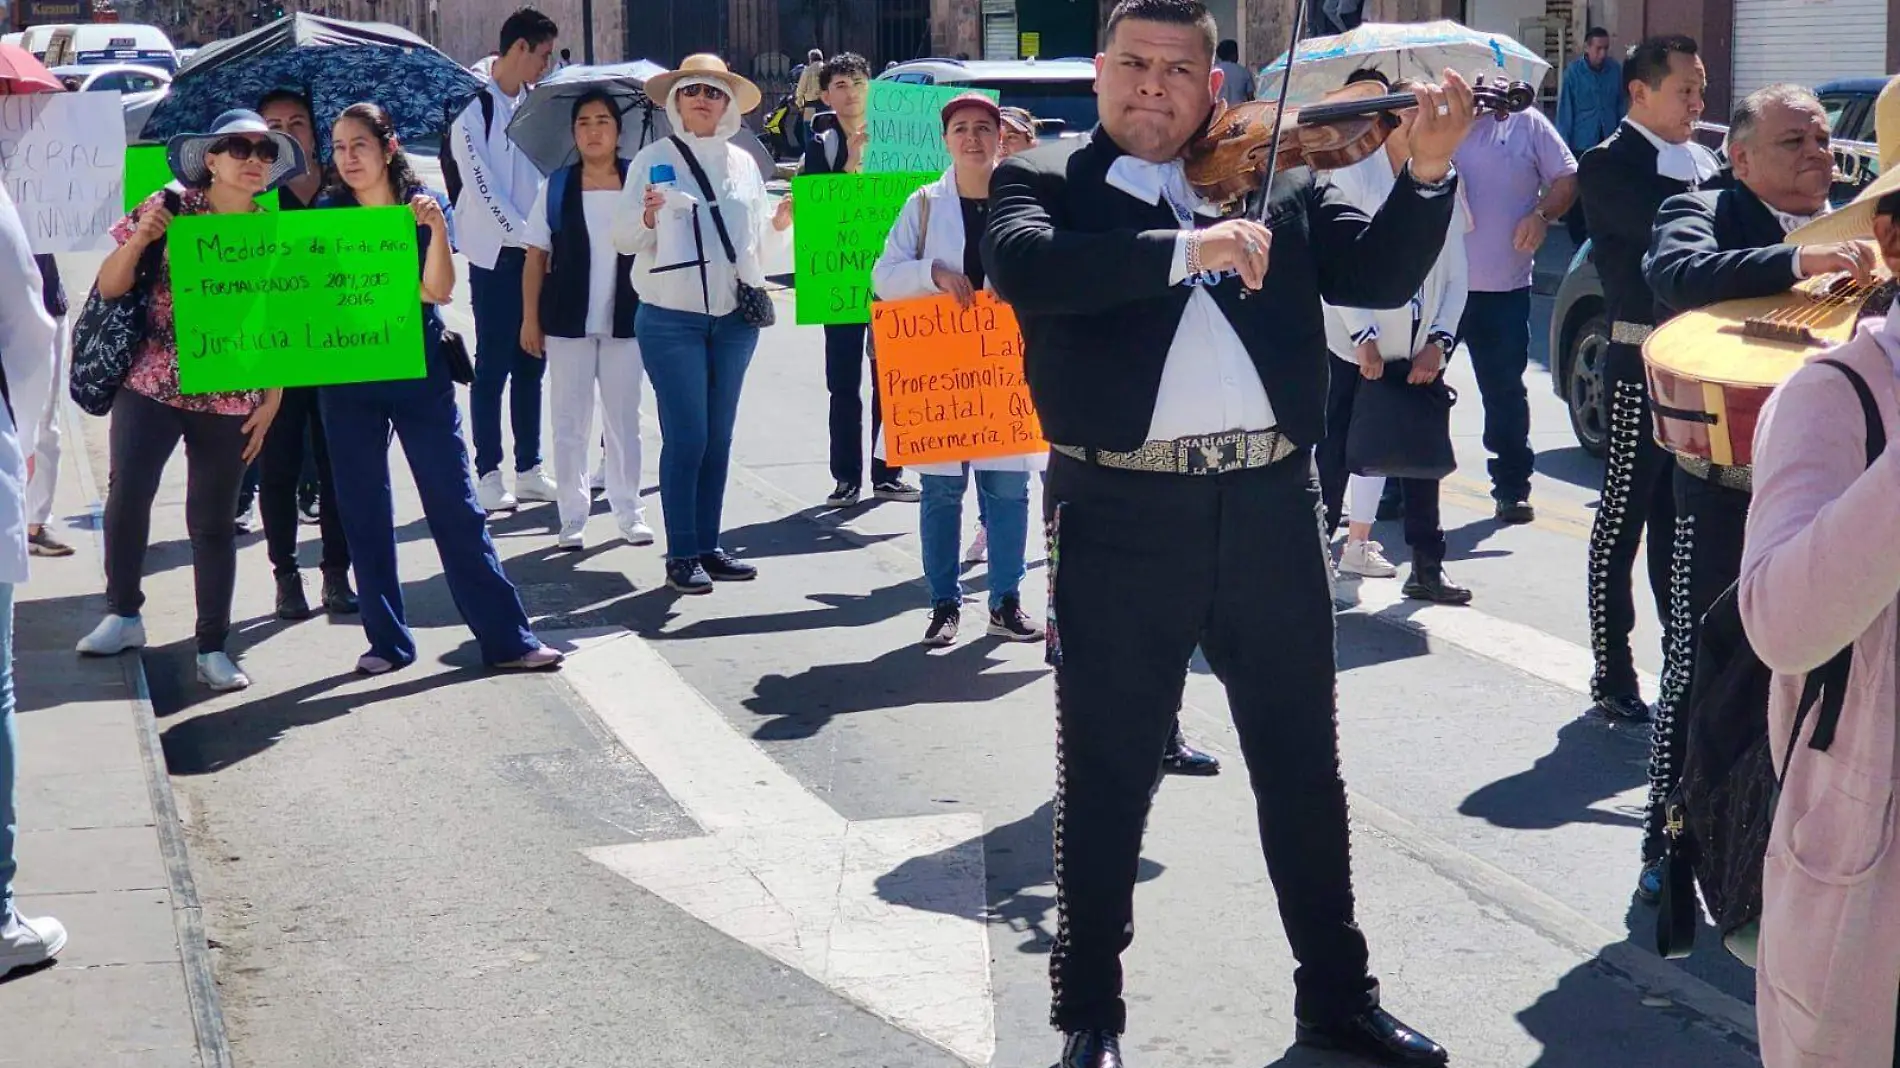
{"x":140,"y":88}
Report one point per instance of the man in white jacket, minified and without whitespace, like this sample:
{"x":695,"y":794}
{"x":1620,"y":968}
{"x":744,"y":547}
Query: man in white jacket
{"x":498,"y":184}
{"x":26,"y":374}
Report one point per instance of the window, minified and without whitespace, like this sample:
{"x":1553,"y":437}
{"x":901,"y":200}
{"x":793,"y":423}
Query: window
{"x":1072,"y":103}
{"x":108,"y":83}
{"x":140,"y":83}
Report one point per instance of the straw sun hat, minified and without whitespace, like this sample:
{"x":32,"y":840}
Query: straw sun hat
{"x":744,"y":94}
{"x":1854,"y":221}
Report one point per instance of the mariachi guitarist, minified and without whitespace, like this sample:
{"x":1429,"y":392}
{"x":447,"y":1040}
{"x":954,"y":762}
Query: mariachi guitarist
{"x":1708,"y":247}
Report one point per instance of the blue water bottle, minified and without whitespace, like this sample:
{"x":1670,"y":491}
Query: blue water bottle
{"x":662,"y":177}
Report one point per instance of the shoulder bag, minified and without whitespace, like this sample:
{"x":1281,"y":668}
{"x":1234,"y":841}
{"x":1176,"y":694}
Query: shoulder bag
{"x":755,"y":304}
{"x":107,"y":334}
{"x":1400,"y":430}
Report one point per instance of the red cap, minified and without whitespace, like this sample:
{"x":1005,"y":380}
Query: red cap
{"x":970,"y":99}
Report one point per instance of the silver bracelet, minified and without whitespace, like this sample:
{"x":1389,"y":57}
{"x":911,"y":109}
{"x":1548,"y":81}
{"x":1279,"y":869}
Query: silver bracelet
{"x":1194,"y":266}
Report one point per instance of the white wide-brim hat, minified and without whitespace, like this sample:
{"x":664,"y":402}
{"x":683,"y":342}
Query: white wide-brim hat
{"x":745,"y":96}
{"x":1854,"y":221}
{"x":187,"y":152}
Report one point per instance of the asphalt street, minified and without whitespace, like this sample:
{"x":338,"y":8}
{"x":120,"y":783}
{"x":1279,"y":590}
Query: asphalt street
{"x":767,"y":827}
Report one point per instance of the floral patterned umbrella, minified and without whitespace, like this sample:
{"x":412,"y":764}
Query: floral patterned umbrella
{"x":333,"y":62}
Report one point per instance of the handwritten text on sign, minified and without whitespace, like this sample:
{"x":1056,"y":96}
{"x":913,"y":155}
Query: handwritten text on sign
{"x":303,"y":298}
{"x":840,"y":222}
{"x":61,"y":156}
{"x":907,"y":126}
{"x":951,"y":381}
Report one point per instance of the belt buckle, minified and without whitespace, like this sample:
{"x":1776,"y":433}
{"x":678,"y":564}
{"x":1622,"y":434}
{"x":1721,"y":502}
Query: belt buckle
{"x":1215,"y":454}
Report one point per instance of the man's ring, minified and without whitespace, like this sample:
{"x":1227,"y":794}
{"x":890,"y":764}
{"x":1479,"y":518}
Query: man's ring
{"x":1444,"y":109}
{"x":1253,"y":247}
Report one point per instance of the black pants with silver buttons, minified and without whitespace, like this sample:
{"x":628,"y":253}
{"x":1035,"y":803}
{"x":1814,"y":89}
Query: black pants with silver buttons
{"x":1638,"y":497}
{"x":1142,"y":568}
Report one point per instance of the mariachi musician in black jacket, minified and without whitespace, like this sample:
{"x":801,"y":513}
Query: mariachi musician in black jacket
{"x":1178,"y":363}
{"x":1708,"y":247}
{"x":1623,"y":181}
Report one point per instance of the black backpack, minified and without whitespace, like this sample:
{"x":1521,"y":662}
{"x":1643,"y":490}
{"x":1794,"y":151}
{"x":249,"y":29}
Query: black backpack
{"x":1720,"y":815}
{"x":452,"y":174}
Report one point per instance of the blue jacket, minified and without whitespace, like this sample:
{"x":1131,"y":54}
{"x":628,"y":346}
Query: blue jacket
{"x":1591,"y":104}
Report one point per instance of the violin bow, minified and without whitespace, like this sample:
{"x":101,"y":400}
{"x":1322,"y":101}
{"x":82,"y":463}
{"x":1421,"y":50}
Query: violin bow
{"x":1279,"y":117}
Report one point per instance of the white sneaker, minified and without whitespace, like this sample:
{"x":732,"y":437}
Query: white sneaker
{"x":637,"y":532}
{"x":218,"y":672}
{"x":492,"y":494}
{"x":573,"y":537}
{"x":1367,"y":560}
{"x":114,"y":635}
{"x":534,"y":485}
{"x":980,"y":548}
{"x":25,"y":942}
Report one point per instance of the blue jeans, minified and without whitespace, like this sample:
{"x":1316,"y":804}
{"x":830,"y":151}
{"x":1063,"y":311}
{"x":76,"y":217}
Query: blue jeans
{"x":1497,"y":331}
{"x":1003,"y":500}
{"x":9,"y":754}
{"x":697,"y":365}
{"x":498,"y":358}
{"x":359,"y":420}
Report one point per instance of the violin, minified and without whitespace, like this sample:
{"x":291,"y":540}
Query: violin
{"x":1230,"y":161}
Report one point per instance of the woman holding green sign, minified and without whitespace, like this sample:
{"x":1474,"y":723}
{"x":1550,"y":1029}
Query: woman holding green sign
{"x":360,"y":417}
{"x":223,"y":171}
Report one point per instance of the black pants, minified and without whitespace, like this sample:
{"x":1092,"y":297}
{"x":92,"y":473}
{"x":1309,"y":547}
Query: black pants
{"x":1707,"y":559}
{"x":1424,"y":531}
{"x":1638,"y":494}
{"x":1497,"y":332}
{"x":282,"y":464}
{"x":1142,"y":568}
{"x":144,"y":432}
{"x":844,"y":378}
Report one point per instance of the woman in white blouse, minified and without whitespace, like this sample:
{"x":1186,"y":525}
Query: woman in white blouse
{"x":1364,"y":342}
{"x":933,"y":249}
{"x":695,"y":341}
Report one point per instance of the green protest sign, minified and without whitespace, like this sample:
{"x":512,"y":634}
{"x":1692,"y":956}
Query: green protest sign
{"x":146,"y":172}
{"x":907,"y":126}
{"x":296,"y":298}
{"x":840,"y":222}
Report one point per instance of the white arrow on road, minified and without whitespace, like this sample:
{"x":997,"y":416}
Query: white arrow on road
{"x":888,"y":913}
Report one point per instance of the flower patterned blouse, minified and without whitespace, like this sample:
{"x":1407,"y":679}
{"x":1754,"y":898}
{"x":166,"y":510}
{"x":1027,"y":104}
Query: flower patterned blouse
{"x":154,"y":371}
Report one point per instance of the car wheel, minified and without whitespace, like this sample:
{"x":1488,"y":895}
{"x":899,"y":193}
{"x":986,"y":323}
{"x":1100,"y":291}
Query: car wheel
{"x":1589,"y":405}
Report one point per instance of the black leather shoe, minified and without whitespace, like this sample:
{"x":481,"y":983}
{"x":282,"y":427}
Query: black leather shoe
{"x":1376,"y":1035}
{"x":721,"y":566}
{"x":338,"y":598}
{"x":1516,"y":513}
{"x":1427,"y":582}
{"x":1183,"y":759}
{"x":1623,"y":708}
{"x":291,"y":602}
{"x":1091,"y":1049}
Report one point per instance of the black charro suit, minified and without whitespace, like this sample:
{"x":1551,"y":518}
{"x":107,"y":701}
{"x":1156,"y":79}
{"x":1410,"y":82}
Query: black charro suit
{"x":1144,"y":566}
{"x":1622,"y":192}
{"x":1706,"y":247}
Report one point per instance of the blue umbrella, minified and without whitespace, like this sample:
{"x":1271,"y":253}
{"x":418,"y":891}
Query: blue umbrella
{"x":334,"y":63}
{"x":543,"y":126}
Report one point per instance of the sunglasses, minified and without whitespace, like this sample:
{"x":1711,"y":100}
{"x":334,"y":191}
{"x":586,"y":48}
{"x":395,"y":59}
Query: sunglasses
{"x":710,"y":92}
{"x":243,"y":148}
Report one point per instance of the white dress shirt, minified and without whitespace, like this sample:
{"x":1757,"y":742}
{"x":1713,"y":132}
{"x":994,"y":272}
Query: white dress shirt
{"x":1209,"y":384}
{"x":1791,"y":223}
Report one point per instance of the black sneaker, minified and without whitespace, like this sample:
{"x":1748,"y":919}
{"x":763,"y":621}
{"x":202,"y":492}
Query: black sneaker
{"x":44,"y":544}
{"x":1515,"y":512}
{"x":1623,"y":708}
{"x":309,"y":511}
{"x":688,"y":577}
{"x":1010,"y":622}
{"x":896,"y":489}
{"x":945,"y":616}
{"x":844,"y":495}
{"x":722,"y":567}
{"x":291,"y":602}
{"x":338,"y":598}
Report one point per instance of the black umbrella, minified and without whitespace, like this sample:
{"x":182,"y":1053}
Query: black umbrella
{"x":333,"y":62}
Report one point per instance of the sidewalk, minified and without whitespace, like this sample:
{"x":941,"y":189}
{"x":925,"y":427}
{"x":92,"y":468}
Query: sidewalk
{"x":101,"y":846}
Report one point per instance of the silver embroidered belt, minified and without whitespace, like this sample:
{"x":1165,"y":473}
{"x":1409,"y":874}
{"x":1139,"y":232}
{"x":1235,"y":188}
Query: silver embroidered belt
{"x":1622,"y":333}
{"x":1203,"y":454}
{"x":1738,"y":477}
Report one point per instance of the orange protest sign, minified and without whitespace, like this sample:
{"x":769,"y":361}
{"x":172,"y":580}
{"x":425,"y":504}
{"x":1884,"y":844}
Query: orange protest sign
{"x":951,"y":381}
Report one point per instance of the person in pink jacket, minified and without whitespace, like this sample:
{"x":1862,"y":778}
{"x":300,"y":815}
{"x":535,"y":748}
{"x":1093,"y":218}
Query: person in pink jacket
{"x":1820,"y":571}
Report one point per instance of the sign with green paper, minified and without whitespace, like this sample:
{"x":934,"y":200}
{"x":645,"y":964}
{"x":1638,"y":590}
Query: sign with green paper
{"x":907,"y":126}
{"x":839,"y":222}
{"x":146,"y":172}
{"x":296,"y":298}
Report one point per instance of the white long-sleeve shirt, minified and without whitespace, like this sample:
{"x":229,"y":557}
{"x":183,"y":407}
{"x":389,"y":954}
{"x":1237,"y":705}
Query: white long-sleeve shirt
{"x":26,"y":350}
{"x":499,"y":181}
{"x":739,"y":191}
{"x":1439,"y":304}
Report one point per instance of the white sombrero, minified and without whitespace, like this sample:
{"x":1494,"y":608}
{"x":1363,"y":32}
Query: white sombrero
{"x":1854,"y":221}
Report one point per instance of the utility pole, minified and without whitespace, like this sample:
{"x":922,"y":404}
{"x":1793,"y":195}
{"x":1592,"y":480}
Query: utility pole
{"x":587,"y":32}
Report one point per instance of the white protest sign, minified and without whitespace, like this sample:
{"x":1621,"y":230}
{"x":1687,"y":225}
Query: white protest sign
{"x":62,"y":156}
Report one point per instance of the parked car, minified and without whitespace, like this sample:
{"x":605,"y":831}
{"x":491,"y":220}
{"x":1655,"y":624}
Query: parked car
{"x":140,"y":88}
{"x":1060,"y":93}
{"x":1579,"y":327}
